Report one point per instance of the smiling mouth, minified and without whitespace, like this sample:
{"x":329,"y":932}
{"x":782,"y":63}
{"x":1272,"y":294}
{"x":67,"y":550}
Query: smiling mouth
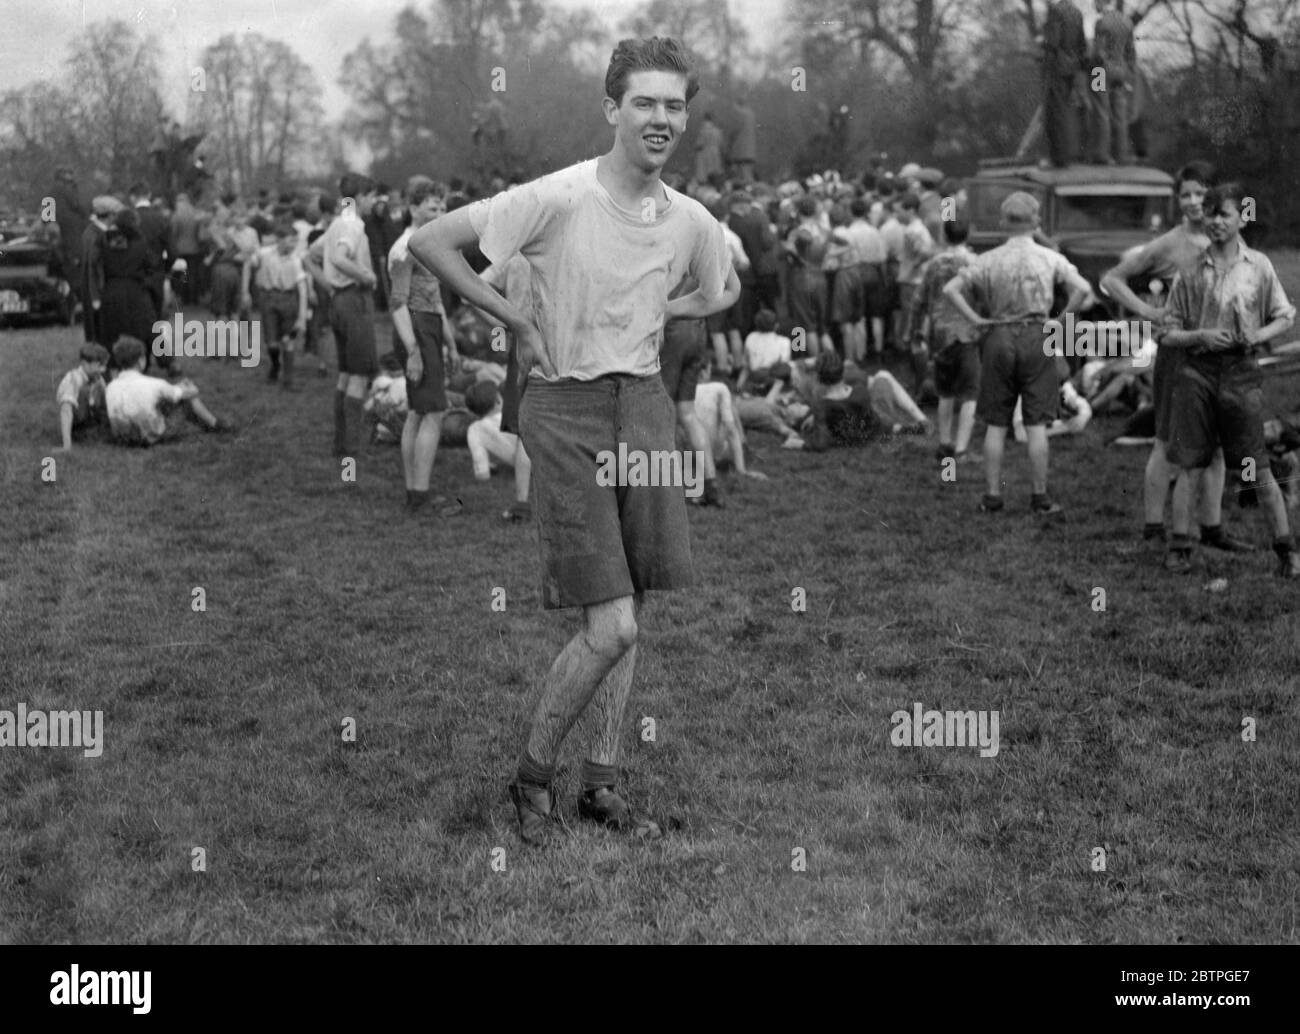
{"x":656,"y":139}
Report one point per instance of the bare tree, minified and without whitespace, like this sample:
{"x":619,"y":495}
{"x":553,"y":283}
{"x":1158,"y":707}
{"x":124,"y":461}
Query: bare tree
{"x":261,"y":106}
{"x":113,"y":86}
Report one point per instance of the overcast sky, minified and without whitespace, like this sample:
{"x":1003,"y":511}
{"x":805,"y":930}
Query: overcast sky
{"x":36,"y":33}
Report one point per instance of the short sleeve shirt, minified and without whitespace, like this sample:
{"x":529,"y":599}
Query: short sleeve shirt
{"x":946,"y":321}
{"x":1017,"y":280}
{"x":601,"y":275}
{"x":412,"y":284}
{"x":133,"y":402}
{"x":1241,"y":295}
{"x":276,"y":272}
{"x":71,"y":386}
{"x":345,"y":238}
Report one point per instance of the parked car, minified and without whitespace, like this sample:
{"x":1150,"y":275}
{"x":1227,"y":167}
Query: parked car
{"x":32,"y":288}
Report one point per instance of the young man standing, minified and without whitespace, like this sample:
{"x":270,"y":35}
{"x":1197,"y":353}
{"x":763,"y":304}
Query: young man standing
{"x":1161,"y":259}
{"x":937,"y":327}
{"x":420,"y":325}
{"x":1222,"y":311}
{"x":1015,"y":283}
{"x":608,"y":244}
{"x":341,"y":258}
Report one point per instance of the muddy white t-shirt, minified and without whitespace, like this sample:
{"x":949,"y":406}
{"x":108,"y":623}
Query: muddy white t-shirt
{"x":602,"y":275}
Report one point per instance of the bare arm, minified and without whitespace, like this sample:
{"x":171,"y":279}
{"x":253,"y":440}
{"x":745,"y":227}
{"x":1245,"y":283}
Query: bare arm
{"x":1115,"y":283}
{"x":696,"y":306}
{"x":952,"y":291}
{"x":65,"y":425}
{"x":438,"y":245}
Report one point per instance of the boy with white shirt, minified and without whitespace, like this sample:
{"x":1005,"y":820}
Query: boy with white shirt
{"x":139,"y":406}
{"x":487,"y":442}
{"x":608,"y":243}
{"x":767,"y":355}
{"x":340,"y":259}
{"x":281,"y":297}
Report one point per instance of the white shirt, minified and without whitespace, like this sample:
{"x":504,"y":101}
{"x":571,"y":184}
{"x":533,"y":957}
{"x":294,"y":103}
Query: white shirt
{"x":486,"y":441}
{"x":766,"y":349}
{"x":737,"y":248}
{"x":601,"y":274}
{"x":133,"y":401}
{"x":713,"y":407}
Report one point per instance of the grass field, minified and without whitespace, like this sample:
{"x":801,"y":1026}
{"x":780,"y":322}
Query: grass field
{"x":1120,"y":729}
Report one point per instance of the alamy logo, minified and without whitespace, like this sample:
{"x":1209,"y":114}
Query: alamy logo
{"x":924,"y":728}
{"x":1086,"y":339}
{"x":635,"y":468}
{"x":24,"y":728}
{"x":123,"y":987}
{"x":208,"y":339}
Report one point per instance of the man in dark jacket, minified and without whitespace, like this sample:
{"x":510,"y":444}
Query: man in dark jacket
{"x":1065,"y":52}
{"x":155,"y":229}
{"x":70,"y":215}
{"x":1115,"y":55}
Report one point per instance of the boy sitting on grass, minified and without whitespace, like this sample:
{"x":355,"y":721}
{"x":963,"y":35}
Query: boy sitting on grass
{"x":487,"y":442}
{"x":80,"y":396}
{"x":140,"y":407}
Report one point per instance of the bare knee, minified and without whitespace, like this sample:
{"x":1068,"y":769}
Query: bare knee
{"x":611,"y":627}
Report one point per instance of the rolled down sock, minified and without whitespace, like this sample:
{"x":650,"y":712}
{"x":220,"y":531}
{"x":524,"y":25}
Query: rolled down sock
{"x":534,"y":772}
{"x":595,"y":776}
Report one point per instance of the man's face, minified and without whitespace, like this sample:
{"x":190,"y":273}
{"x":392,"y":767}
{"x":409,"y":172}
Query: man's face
{"x":366,"y":203}
{"x":286,"y":243}
{"x":903,"y":215}
{"x":650,"y":121}
{"x":1191,"y":199}
{"x":1224,"y":223}
{"x":96,"y":369}
{"x":430,"y":208}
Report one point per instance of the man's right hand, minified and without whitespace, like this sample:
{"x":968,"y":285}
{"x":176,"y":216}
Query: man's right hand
{"x":1216,"y":340}
{"x":532,"y":348}
{"x":414,"y":365}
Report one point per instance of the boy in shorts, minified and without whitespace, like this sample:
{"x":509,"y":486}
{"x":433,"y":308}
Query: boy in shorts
{"x":340,"y":259}
{"x":281,"y":284}
{"x":953,"y":342}
{"x":1015,"y":283}
{"x":1161,"y":259}
{"x":1222,"y":311}
{"x":609,"y":243}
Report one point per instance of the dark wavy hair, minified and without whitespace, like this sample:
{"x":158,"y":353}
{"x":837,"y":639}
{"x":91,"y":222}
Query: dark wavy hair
{"x":656,"y":54}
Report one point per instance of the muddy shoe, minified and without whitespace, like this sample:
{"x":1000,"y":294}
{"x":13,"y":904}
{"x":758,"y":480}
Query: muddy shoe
{"x":603,"y":805}
{"x":535,"y":809}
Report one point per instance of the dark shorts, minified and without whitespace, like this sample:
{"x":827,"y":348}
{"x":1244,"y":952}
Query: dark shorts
{"x":279,"y":312}
{"x":512,"y":390}
{"x":680,"y":357}
{"x":1210,"y":408}
{"x":727,"y":319}
{"x":808,"y":301}
{"x":875,"y":295}
{"x":957,"y":370}
{"x":1015,"y":367}
{"x":1164,"y":375}
{"x":352,"y":318}
{"x":430,"y":395}
{"x":846,"y":296}
{"x":602,"y":542}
